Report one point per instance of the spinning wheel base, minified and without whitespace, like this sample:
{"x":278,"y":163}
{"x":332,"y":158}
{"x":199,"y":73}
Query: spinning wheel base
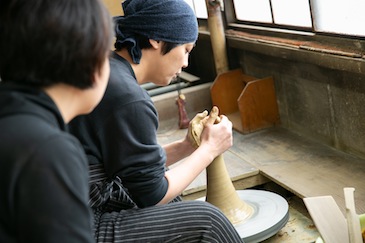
{"x":271,"y":213}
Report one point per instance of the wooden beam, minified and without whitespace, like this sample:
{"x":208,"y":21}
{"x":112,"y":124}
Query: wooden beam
{"x":114,"y":7}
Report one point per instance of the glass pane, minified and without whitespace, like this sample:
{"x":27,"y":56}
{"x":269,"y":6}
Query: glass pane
{"x":292,"y":12}
{"x":253,"y":10}
{"x":190,"y":2}
{"x":200,"y":9}
{"x":339,"y":16}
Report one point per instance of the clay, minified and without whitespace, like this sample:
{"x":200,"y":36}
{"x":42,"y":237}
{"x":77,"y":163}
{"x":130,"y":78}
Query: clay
{"x":222,"y":194}
{"x":220,"y":189}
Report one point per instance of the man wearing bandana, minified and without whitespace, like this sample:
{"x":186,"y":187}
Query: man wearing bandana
{"x":133,"y":196}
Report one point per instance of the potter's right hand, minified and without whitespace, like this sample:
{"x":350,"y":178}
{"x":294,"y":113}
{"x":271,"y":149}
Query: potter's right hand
{"x":217,"y":137}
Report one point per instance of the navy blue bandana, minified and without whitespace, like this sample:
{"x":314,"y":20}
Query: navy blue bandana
{"x":162,"y":20}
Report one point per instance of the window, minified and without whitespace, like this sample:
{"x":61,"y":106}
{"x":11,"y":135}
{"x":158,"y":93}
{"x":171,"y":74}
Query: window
{"x":321,"y":16}
{"x":274,"y":12}
{"x":253,"y":10}
{"x":338,"y":16}
{"x":199,"y":7}
{"x":291,"y":12}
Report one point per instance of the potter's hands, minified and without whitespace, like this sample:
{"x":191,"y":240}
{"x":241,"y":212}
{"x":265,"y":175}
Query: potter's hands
{"x":212,"y":132}
{"x":212,"y":136}
{"x":196,"y":127}
{"x":217,"y":133}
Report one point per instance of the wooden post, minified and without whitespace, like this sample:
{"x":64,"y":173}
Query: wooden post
{"x":217,"y":36}
{"x":114,"y":7}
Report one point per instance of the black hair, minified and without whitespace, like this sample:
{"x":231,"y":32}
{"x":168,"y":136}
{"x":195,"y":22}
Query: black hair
{"x":44,"y":42}
{"x":144,"y":43}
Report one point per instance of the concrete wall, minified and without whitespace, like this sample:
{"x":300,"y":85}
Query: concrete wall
{"x":327,"y":105}
{"x":324,"y":104}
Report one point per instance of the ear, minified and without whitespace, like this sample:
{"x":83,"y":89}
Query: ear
{"x":155,"y":44}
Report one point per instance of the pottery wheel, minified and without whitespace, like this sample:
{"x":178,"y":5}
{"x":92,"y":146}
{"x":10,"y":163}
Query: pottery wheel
{"x":271,"y":213}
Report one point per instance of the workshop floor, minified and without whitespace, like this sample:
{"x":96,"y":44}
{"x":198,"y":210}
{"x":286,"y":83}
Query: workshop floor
{"x":299,"y":228}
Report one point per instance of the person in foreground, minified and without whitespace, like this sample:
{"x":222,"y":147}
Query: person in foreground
{"x":54,"y":66}
{"x":130,"y":186}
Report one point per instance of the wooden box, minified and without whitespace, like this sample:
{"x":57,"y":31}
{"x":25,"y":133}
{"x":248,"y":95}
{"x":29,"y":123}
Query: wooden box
{"x":250,"y":103}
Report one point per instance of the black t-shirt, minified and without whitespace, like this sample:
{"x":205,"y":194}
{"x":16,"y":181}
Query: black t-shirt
{"x":43,"y":172}
{"x":121,"y":133}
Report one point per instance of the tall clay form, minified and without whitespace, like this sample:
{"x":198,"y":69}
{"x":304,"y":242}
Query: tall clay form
{"x":222,"y":194}
{"x":220,"y":189}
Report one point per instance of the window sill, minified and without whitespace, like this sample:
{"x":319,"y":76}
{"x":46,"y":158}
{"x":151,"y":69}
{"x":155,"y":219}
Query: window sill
{"x":328,"y":56}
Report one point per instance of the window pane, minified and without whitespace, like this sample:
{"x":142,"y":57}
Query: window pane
{"x":292,"y":12}
{"x":339,"y":16}
{"x":200,"y":9}
{"x":190,"y":2}
{"x":253,"y":10}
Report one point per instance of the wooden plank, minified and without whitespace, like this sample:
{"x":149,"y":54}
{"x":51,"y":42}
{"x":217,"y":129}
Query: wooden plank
{"x":257,"y":105}
{"x":254,"y":99}
{"x":235,"y":118}
{"x":226,"y":89}
{"x":353,"y":221}
{"x":328,"y":219}
{"x":302,"y":166}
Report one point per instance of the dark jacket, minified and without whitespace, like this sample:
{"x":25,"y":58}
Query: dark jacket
{"x":121,"y":134}
{"x":43,"y":172}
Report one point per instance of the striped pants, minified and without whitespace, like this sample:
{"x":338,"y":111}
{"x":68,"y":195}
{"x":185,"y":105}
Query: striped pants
{"x":117,"y":219}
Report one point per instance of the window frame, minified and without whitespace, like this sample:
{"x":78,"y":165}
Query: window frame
{"x":341,"y":52}
{"x":286,"y":31}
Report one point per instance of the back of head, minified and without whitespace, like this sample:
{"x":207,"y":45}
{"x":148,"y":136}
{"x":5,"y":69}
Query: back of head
{"x":44,"y":42}
{"x":171,"y":21}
